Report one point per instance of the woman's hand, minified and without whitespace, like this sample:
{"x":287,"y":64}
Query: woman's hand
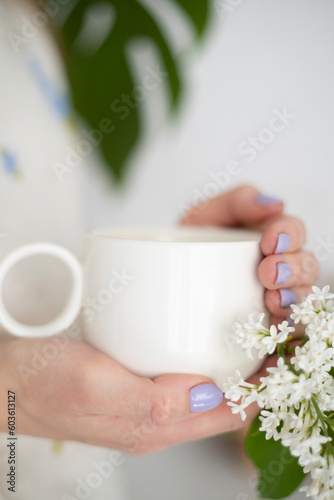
{"x":83,"y":395}
{"x":286,"y":271}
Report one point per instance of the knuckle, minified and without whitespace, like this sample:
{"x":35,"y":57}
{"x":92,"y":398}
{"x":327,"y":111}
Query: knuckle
{"x":294,"y":226}
{"x":161,"y":411}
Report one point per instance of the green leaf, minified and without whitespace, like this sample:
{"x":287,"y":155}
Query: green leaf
{"x":279,"y":472}
{"x":198,"y":11}
{"x":102,"y":81}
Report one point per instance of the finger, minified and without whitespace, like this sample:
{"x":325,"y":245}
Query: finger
{"x":279,"y":301}
{"x":106,"y":387}
{"x":288,"y":270}
{"x":243,"y":206}
{"x":147,"y":436}
{"x":217,"y":421}
{"x":285,"y":234}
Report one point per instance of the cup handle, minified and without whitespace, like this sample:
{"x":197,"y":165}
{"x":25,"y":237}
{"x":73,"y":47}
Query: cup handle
{"x":70,"y":311}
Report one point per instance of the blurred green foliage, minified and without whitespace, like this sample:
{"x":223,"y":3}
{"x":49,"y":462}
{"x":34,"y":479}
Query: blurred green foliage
{"x":102,"y":80}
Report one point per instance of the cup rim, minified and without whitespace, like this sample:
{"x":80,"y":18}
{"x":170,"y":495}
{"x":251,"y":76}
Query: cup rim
{"x":132,"y":234}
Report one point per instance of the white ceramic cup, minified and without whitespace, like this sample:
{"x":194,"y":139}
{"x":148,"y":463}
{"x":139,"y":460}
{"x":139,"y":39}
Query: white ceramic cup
{"x":156,"y":300}
{"x":179,"y":294}
{"x":40,"y":290}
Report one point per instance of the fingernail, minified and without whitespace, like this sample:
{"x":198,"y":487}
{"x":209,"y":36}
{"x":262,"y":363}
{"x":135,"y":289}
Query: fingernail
{"x":288,"y":297}
{"x":264,"y":200}
{"x":204,"y":397}
{"x":283,"y":242}
{"x":283,"y":273}
{"x":290,"y":322}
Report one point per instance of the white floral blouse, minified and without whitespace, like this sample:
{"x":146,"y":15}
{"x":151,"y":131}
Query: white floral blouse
{"x":35,"y":132}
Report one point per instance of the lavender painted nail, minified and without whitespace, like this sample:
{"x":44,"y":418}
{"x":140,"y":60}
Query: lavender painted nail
{"x":204,"y":397}
{"x":264,"y":200}
{"x":283,"y":242}
{"x":288,"y":297}
{"x":283,"y":273}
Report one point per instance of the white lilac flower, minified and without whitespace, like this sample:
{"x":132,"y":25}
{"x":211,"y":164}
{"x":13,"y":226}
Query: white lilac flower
{"x":274,"y":338}
{"x":255,"y":323}
{"x":312,"y":490}
{"x":318,"y":325}
{"x":250,"y":335}
{"x":303,"y":389}
{"x":235,"y":387}
{"x":328,"y":333}
{"x":280,"y":369}
{"x":322,"y":481}
{"x":325,"y":357}
{"x":293,"y":439}
{"x":236,"y":380}
{"x":303,"y":312}
{"x":315,"y":355}
{"x":296,"y":395}
{"x":294,"y":421}
{"x":262,"y":351}
{"x":330,"y":308}
{"x":303,"y":360}
{"x":238,"y":409}
{"x":321,"y":295}
{"x":247,"y":338}
{"x":285,"y":328}
{"x":314,"y":443}
{"x":256,"y":397}
{"x":269,"y":423}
